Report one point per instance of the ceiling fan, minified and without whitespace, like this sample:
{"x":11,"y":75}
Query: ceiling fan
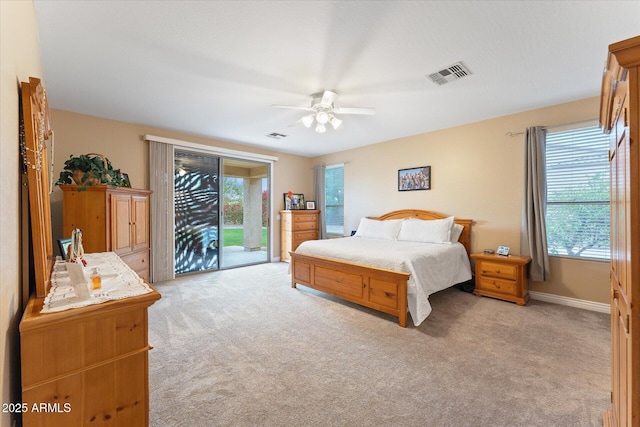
{"x":324,"y":111}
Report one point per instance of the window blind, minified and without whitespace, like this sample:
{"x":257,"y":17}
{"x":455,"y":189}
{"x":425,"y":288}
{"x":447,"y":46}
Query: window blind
{"x":334,"y":199}
{"x":577,"y":216}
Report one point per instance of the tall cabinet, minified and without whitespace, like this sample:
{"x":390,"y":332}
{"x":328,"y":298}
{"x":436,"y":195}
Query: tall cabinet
{"x":111,"y":220}
{"x":297,"y":227}
{"x":620,"y":117}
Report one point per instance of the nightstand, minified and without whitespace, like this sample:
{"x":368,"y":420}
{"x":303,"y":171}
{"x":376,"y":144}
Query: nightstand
{"x":503,"y":277}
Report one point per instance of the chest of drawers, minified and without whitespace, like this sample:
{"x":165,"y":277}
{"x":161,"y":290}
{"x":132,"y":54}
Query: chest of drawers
{"x":296,"y":227}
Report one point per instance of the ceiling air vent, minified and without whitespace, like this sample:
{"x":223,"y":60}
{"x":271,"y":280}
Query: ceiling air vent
{"x":276,"y":135}
{"x":449,"y":74}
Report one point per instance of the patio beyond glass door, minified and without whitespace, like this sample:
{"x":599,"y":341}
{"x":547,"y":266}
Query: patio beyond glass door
{"x":245,"y":219}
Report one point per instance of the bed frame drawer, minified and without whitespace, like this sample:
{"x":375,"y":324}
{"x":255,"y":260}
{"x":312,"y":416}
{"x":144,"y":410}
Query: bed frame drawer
{"x":338,"y":283}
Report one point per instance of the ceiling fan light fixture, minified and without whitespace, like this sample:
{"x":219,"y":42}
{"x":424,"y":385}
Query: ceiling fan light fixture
{"x":322,"y":117}
{"x":321,"y":128}
{"x":334,"y":121}
{"x":308,"y":120}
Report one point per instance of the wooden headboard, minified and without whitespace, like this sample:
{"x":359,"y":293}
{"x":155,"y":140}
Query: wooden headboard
{"x":465,"y":236}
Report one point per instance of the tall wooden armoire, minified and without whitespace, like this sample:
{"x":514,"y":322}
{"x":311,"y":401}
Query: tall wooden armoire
{"x":111,"y":220}
{"x":620,"y":117}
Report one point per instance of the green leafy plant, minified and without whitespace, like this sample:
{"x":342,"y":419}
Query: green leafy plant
{"x":90,"y":169}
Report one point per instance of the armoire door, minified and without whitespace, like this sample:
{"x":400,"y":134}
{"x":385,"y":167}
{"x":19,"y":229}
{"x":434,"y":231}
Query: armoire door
{"x":620,"y":117}
{"x":121,"y":221}
{"x":140,"y":207}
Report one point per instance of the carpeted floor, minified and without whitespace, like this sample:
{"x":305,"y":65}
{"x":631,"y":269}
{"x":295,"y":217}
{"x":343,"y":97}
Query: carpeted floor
{"x":242,"y":348}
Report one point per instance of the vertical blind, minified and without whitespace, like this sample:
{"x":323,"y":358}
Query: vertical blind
{"x":577,"y":167}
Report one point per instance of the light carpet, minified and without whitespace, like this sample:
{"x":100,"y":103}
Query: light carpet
{"x":242,"y":348}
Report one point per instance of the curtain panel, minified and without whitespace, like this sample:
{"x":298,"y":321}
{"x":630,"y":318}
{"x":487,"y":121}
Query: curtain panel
{"x":319,"y":191}
{"x":161,"y":166}
{"x":533,"y":236}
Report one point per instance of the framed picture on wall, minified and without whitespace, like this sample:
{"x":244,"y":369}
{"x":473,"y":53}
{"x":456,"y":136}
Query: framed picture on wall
{"x":414,"y":179}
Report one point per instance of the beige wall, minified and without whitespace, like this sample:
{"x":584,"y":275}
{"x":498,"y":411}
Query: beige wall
{"x":123,"y":145}
{"x":19,"y":60}
{"x":477,"y":173}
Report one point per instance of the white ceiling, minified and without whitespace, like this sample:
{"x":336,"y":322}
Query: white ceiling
{"x":214,"y":68}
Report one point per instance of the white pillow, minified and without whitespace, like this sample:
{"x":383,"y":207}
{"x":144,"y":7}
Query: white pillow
{"x":456,"y":231}
{"x":426,"y":231}
{"x":374,"y":229}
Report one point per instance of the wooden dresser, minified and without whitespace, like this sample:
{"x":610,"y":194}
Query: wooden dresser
{"x":111,"y":220}
{"x":86,"y":366}
{"x":296,"y":227}
{"x":503,"y":277}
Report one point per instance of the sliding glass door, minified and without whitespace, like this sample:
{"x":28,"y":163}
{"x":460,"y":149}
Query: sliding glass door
{"x":196,"y":205}
{"x":221,"y":212}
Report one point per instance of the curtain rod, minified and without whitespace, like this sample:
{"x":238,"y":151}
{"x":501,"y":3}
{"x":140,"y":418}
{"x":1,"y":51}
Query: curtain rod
{"x":334,"y":164}
{"x":512,"y":134}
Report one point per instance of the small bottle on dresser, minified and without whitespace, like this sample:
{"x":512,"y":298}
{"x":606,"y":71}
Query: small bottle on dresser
{"x":96,"y":280}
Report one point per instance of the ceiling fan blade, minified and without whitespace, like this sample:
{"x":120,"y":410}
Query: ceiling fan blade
{"x":293,"y":107}
{"x":369,"y":111}
{"x":328,"y":97}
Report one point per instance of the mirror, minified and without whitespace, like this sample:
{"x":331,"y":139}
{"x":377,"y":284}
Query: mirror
{"x":34,"y":135}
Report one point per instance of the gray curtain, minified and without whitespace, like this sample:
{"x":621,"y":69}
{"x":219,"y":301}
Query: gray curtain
{"x":162,"y":213}
{"x":319,"y":191}
{"x":533,"y":236}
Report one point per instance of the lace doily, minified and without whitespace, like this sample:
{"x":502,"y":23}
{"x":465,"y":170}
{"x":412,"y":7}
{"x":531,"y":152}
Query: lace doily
{"x":119,"y":281}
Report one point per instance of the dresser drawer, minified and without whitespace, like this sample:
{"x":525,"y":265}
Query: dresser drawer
{"x":310,"y":224}
{"x":303,"y":236}
{"x":496,"y":285}
{"x":138,"y":262}
{"x":84,"y":342}
{"x":307,"y":217}
{"x":505,"y":271}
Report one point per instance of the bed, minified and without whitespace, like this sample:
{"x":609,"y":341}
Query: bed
{"x":364,"y":268}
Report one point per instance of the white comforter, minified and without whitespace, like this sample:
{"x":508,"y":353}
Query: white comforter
{"x":433,"y":266}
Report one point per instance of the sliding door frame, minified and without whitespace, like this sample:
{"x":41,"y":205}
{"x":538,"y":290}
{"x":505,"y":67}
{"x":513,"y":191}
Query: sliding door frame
{"x":232,"y":154}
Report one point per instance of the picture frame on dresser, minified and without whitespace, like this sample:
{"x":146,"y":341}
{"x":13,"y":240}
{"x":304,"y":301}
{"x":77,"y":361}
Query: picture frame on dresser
{"x":63,"y":245}
{"x":294,"y":202}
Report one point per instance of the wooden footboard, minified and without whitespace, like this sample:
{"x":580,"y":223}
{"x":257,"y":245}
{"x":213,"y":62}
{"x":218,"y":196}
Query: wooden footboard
{"x":376,"y":288}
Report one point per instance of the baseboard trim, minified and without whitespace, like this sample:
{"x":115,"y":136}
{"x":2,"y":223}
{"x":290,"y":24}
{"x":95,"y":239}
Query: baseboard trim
{"x":571,"y":302}
{"x":275,"y":259}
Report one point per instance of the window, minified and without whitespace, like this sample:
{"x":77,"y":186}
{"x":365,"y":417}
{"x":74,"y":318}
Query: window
{"x":577,"y":215}
{"x":334,"y":199}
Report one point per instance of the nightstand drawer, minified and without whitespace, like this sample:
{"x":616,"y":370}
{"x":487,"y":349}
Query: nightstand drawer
{"x":505,"y":271}
{"x":496,"y":285}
